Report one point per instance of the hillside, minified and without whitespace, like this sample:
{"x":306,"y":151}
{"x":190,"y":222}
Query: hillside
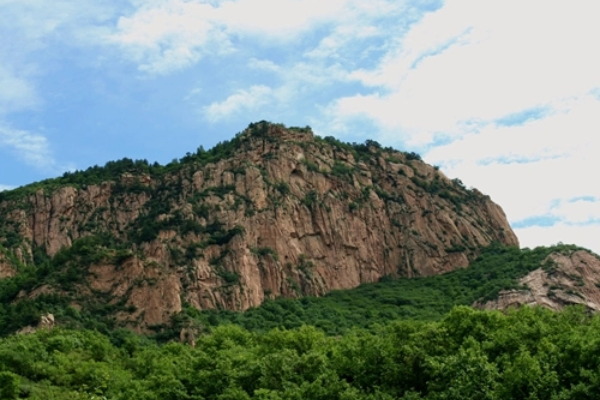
{"x":497,"y":274}
{"x":273,"y":212}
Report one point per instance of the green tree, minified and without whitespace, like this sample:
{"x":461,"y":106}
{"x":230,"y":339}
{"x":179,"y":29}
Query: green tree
{"x":9,"y":385}
{"x":468,"y":374}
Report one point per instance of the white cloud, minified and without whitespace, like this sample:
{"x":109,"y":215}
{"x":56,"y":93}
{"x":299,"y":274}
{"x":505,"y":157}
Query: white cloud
{"x":242,"y":100}
{"x":169,"y":35}
{"x":277,"y":19}
{"x":263,"y":65}
{"x":578,"y":211}
{"x":32,"y":25}
{"x":568,"y":128}
{"x":527,"y":168}
{"x":271,"y":102}
{"x":37,"y":33}
{"x":17,"y":93}
{"x":353,"y":27}
{"x":31,"y":147}
{"x":581,"y":235}
{"x":166,"y":36}
{"x":5,"y":187}
{"x":479,"y":61}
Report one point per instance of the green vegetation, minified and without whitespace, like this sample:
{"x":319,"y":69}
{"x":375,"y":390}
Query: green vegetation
{"x":305,"y":265}
{"x":229,"y":277}
{"x":341,"y":170}
{"x":310,"y":165}
{"x":159,"y":216}
{"x":283,"y":188}
{"x":310,"y":199}
{"x":306,"y":129}
{"x":9,"y":237}
{"x":264,"y":251}
{"x":468,"y":354}
{"x":413,"y":156}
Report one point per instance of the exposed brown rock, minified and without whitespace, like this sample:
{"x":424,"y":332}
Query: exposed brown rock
{"x":565,"y":279}
{"x":311,"y":217}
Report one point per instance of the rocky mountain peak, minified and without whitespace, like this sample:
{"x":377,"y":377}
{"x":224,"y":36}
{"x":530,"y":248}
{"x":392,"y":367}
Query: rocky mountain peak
{"x":273,"y":212}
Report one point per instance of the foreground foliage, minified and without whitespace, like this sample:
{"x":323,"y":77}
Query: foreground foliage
{"x":525,"y":354}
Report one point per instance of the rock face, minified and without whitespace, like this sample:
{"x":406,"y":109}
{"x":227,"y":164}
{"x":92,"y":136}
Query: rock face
{"x":279,"y":213}
{"x":564,"y":279}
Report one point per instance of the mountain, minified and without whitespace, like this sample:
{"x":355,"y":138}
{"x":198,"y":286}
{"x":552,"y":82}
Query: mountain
{"x":273,"y":212}
{"x":276,"y":220}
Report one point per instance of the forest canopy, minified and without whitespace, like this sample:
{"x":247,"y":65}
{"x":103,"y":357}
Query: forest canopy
{"x":523,"y":354}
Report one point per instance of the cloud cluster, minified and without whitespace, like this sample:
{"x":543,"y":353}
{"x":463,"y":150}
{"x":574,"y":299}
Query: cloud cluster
{"x":18,"y":92}
{"x":243,"y":100}
{"x":528,"y":166}
{"x":32,"y":148}
{"x":169,"y":36}
{"x":166,"y":36}
{"x":581,"y":235}
{"x":472,"y":62}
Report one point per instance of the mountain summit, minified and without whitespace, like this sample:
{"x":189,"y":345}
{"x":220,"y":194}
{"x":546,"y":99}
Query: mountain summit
{"x":273,"y":212}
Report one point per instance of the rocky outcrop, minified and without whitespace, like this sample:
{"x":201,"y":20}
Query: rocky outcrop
{"x":281,"y":213}
{"x":46,"y":322}
{"x":564,"y":279}
{"x":6,"y":268}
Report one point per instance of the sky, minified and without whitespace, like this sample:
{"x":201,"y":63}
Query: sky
{"x":504,"y":95}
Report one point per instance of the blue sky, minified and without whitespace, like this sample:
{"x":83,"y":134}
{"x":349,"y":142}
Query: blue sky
{"x":503,"y":94}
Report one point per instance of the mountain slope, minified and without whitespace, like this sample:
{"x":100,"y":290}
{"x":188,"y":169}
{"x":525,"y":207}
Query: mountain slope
{"x":273,"y":212}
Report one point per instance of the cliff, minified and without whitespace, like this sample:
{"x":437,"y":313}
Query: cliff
{"x":273,"y":212}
